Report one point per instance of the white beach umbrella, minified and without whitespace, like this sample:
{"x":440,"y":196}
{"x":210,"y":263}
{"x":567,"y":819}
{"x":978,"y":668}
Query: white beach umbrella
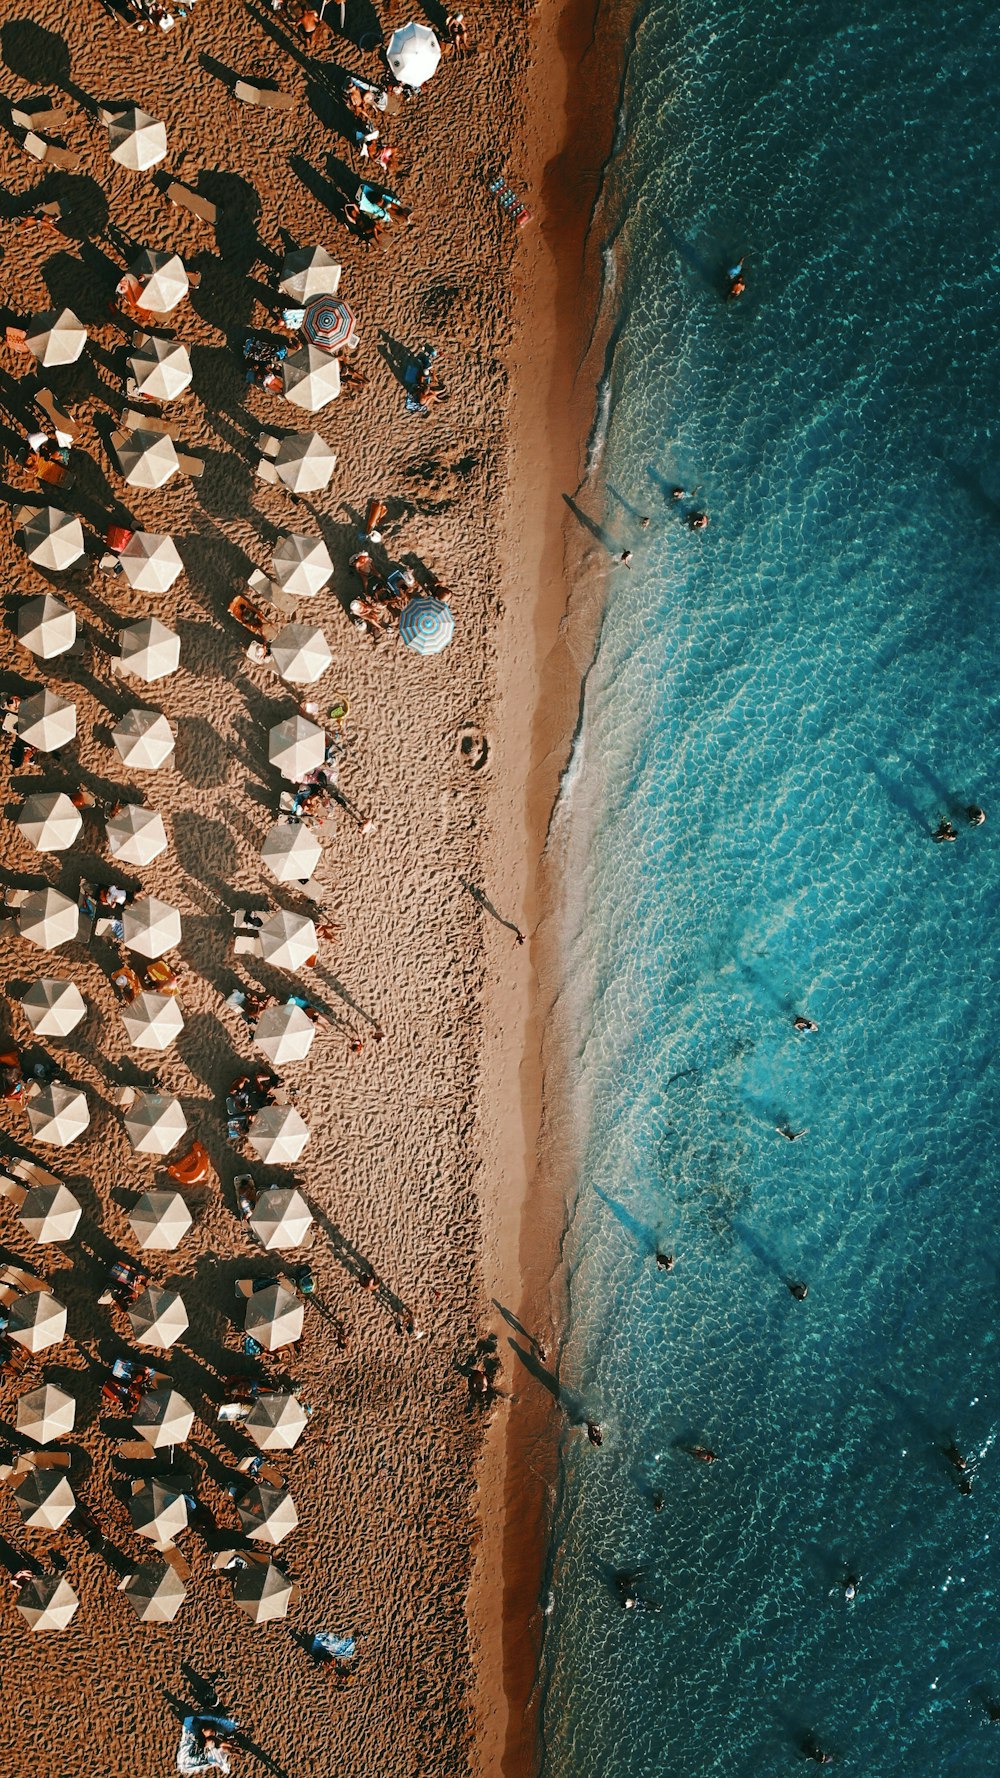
{"x":296,"y":746}
{"x":49,"y":1213}
{"x":163,"y":1418}
{"x":160,"y":1220}
{"x":135,"y":139}
{"x":158,"y":1317}
{"x":147,"y":459}
{"x":276,"y":1422}
{"x":46,"y":626}
{"x":160,"y":368}
{"x":287,"y":940}
{"x":281,"y":1218}
{"x":58,"y":1114}
{"x":155,"y":1123}
{"x":37,"y":1321}
{"x":57,"y":337}
{"x":311,"y":378}
{"x":304,"y":462}
{"x":284,"y":1034}
{"x":164,"y":281}
{"x":47,"y":722}
{"x":291,"y":852}
{"x":49,"y":821}
{"x":148,"y":649}
{"x":309,"y":272}
{"x":268,"y":1514}
{"x":46,"y":1414}
{"x":278,"y":1134}
{"x":53,"y":1008}
{"x":144,"y":739}
{"x":49,"y":1602}
{"x":301,"y":653}
{"x":413,"y":54}
{"x":150,"y":562}
{"x":158,"y":1511}
{"x":52,"y":539}
{"x":45,"y":1500}
{"x":48,"y":918}
{"x":136,"y":835}
{"x":155,"y":1592}
{"x":152,"y":1021}
{"x":264,"y":1593}
{"x":301,"y":565}
{"x":152,"y":927}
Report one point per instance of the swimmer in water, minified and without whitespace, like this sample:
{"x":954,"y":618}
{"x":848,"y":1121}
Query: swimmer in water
{"x":801,"y":1023}
{"x":594,"y":1433}
{"x":944,"y":832}
{"x":789,"y":1134}
{"x":851,"y":1585}
{"x":665,"y":1261}
{"x":974,"y":815}
{"x":701,"y":1453}
{"x":798,"y":1291}
{"x":812,"y":1750}
{"x":737,"y":283}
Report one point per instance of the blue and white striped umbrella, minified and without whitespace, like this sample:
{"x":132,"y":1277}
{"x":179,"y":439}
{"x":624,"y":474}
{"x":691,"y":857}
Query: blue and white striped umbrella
{"x":426,"y":625}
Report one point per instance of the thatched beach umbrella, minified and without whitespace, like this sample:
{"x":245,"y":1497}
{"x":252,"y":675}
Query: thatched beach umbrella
{"x":264,"y":1593}
{"x":147,"y":459}
{"x":144,"y":739}
{"x":287,"y":940}
{"x":50,"y":821}
{"x":47,"y":1603}
{"x":161,"y":369}
{"x":301,"y":653}
{"x":164,"y":281}
{"x":284,"y":1034}
{"x":46,"y":626}
{"x":268,"y":1514}
{"x":136,"y":835}
{"x":48,"y":918}
{"x":150,"y":562}
{"x":148,"y":649}
{"x":155,"y":1592}
{"x":37,"y":1321}
{"x":276,"y":1422}
{"x":47,"y":722}
{"x":296,"y":746}
{"x":308,"y":272}
{"x":413,"y":54}
{"x":301,"y":565}
{"x":56,"y":337}
{"x":52,"y":539}
{"x":49,"y":1213}
{"x":311,"y":378}
{"x":160,"y":1220}
{"x":158,"y":1317}
{"x":274,"y":1317}
{"x":58,"y":1114}
{"x":158,"y":1511}
{"x":304,"y":462}
{"x":135,"y":139}
{"x":163,"y":1418}
{"x":152,"y":927}
{"x":46,"y":1414}
{"x":152,"y":1021}
{"x":155,"y":1123}
{"x":281,"y":1218}
{"x":426,"y":625}
{"x":44,"y":1499}
{"x":291,"y":852}
{"x":53,"y":1008}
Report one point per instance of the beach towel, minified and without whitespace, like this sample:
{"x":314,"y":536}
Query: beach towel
{"x":192,"y":1757}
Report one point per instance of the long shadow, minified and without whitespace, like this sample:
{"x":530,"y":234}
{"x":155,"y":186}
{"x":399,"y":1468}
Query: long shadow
{"x":644,"y":1236}
{"x":571,"y":1404}
{"x":899,"y":796}
{"x":485,"y":902}
{"x":603,"y":537}
{"x":519,"y":1327}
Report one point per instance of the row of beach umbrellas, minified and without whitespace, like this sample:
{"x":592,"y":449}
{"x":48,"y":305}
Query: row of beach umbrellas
{"x":37,"y":1319}
{"x":156,"y":1591}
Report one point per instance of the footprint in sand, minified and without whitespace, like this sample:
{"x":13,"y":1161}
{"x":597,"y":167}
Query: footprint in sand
{"x":473,"y":747}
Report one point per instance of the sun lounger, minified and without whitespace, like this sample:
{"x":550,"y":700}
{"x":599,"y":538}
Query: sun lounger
{"x":186,"y":199}
{"x":256,"y":93}
{"x":63,"y":424}
{"x":134,"y":419}
{"x":38,"y":114}
{"x":40,"y":150}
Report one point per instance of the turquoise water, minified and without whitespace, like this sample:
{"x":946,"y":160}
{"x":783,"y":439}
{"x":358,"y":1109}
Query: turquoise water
{"x":780,"y":711}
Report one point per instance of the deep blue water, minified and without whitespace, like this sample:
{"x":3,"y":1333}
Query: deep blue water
{"x":780,"y":711}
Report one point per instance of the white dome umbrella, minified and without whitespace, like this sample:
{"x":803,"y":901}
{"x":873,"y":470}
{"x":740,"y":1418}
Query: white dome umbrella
{"x":309,"y":272}
{"x":150,"y":562}
{"x":413,"y":54}
{"x":164,"y":281}
{"x":135,"y":139}
{"x":46,"y":1414}
{"x":291,"y":852}
{"x":45,"y":1500}
{"x":268,"y":1514}
{"x":49,"y":821}
{"x":155,"y":1592}
{"x":158,"y":1317}
{"x":160,"y":1220}
{"x":47,"y":722}
{"x":46,"y":627}
{"x":58,"y":1114}
{"x":278,"y":1134}
{"x":282,"y":1218}
{"x":296,"y":746}
{"x":57,"y":337}
{"x":37,"y":1321}
{"x":163,"y":1418}
{"x":287,"y":940}
{"x":153,"y":1021}
{"x":147,"y":459}
{"x":301,"y":653}
{"x":47,"y":1603}
{"x":149,"y":650}
{"x":161,"y":369}
{"x":304,"y":462}
{"x":311,"y":378}
{"x":158,"y":1511}
{"x":274,"y":1317}
{"x":276,"y":1422}
{"x":155,"y":1123}
{"x":53,"y":1008}
{"x":144,"y":739}
{"x":152,"y":927}
{"x":49,"y":1213}
{"x":136,"y":835}
{"x":284,"y":1034}
{"x":301,"y":565}
{"x":48,"y":918}
{"x":264,"y":1593}
{"x":52,"y":539}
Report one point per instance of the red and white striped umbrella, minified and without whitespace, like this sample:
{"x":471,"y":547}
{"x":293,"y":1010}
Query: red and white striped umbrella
{"x":328,"y":323}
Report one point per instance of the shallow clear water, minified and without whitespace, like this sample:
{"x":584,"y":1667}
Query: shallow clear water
{"x":780,"y":711}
